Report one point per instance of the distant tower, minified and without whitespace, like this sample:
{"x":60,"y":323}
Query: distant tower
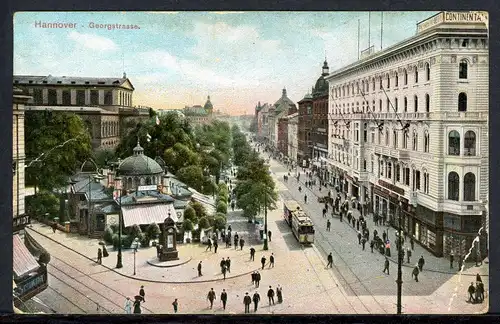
{"x":208,"y":106}
{"x":124,"y":75}
{"x":284,"y":92}
{"x":325,"y":69}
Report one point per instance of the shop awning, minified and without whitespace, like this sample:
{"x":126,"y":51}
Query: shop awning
{"x":148,"y":214}
{"x":24,"y":261}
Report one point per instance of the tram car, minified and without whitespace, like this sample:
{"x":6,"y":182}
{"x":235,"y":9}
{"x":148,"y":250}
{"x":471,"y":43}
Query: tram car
{"x":301,"y":224}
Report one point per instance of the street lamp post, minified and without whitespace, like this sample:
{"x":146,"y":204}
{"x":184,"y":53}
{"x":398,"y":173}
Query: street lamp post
{"x":399,"y":281}
{"x":136,"y":243}
{"x":118,"y":186}
{"x":265,"y":222}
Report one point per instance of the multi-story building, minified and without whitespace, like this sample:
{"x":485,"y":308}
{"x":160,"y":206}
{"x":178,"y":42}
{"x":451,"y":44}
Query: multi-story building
{"x":293,"y":120}
{"x":277,"y":111}
{"x":409,"y":131}
{"x":304,"y":129}
{"x":29,"y":273}
{"x":105,"y":104}
{"x":199,"y":115}
{"x":263,"y":122}
{"x":283,"y":130}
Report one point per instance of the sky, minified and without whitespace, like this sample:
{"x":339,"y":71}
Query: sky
{"x":177,"y":59}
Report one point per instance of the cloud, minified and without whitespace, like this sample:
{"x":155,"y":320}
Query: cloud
{"x":93,"y":42}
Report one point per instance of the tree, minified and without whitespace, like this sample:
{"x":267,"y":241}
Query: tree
{"x":254,"y":196}
{"x":180,"y":156}
{"x":41,"y":204}
{"x":199,"y":209}
{"x":192,"y":176}
{"x":103,"y":156}
{"x":45,"y":132}
{"x":222,"y":207}
{"x":153,"y":231}
{"x":190,"y":214}
{"x":187,"y":225}
{"x":135,"y":231}
{"x":204,"y":223}
{"x":152,"y":113}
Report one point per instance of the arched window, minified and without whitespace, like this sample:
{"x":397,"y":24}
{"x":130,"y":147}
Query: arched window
{"x":396,"y":104}
{"x":406,"y":105}
{"x":462,"y":102}
{"x":364,"y":165}
{"x":415,"y":103}
{"x":416,"y":75}
{"x":380,"y":105}
{"x":129,"y":183}
{"x":427,"y":72}
{"x":388,"y":103}
{"x":373,"y":84}
{"x":386,"y":137}
{"x":395,"y":139}
{"x":453,"y":186}
{"x":405,"y":77}
{"x":396,"y":81}
{"x":454,"y":143}
{"x":405,"y":140}
{"x":470,"y":143}
{"x":427,"y":103}
{"x":415,"y":140}
{"x":388,"y":81}
{"x":469,"y":187}
{"x":462,"y":69}
{"x":426,"y":142}
{"x":148,"y":181}
{"x":389,"y":170}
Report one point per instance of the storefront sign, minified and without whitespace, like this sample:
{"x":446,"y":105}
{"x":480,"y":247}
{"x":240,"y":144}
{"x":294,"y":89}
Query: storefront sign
{"x":391,"y":187}
{"x":453,"y":17}
{"x":30,"y":284}
{"x":18,"y":223}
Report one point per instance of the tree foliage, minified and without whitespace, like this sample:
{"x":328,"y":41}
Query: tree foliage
{"x":204,"y":223}
{"x":103,"y":156}
{"x":200,"y":210}
{"x":41,"y":204}
{"x":44,"y":132}
{"x":190,"y":213}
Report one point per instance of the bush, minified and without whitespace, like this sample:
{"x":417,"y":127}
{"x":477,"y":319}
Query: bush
{"x":127,"y":240}
{"x":144,"y":239}
{"x":108,"y":235}
{"x":203,"y":223}
{"x":219,"y":222}
{"x":114,"y":228}
{"x":187,"y":225}
{"x":42,"y":203}
{"x":223,"y":198}
{"x":190,"y":213}
{"x":153,"y":231}
{"x":135,"y":230}
{"x":222,"y":207}
{"x":222,"y":187}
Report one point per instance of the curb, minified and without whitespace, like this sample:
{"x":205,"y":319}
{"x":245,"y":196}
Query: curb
{"x":391,"y":259}
{"x":141,"y":279}
{"x":168,"y":266}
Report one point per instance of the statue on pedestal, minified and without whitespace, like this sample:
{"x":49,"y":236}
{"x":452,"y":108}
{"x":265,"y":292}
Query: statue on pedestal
{"x":168,"y":251}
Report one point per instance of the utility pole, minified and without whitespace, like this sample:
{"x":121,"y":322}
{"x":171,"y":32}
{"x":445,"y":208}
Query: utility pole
{"x":399,"y":281}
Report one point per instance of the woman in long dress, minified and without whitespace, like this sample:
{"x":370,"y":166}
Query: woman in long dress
{"x":128,"y":306}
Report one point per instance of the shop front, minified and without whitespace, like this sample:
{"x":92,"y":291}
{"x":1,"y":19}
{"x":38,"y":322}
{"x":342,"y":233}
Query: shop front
{"x":424,"y":227}
{"x":459,"y":235}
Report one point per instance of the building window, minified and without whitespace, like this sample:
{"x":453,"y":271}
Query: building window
{"x":380,"y":105}
{"x":415,"y":103}
{"x":416,"y":75}
{"x":415,"y":141}
{"x":454,"y":143}
{"x":94,"y":97}
{"x":453,"y":186}
{"x":405,"y":77}
{"x":396,"y":81}
{"x":469,"y":187}
{"x":462,"y":69}
{"x":387,"y":104}
{"x":427,"y":103}
{"x":373,"y":84}
{"x":66,"y":98}
{"x":38,"y":96}
{"x":381,"y":168}
{"x":380,"y":83}
{"x":426,"y":182}
{"x":397,"y":171}
{"x":395,"y":137}
{"x":365,"y":132}
{"x":405,"y":140}
{"x":389,"y":170}
{"x":470,"y":143}
{"x":52,"y":96}
{"x":416,"y":174}
{"x":108,"y":98}
{"x":386,"y":137}
{"x":427,"y":72}
{"x":462,"y":102}
{"x":406,"y":105}
{"x":372,"y":164}
{"x":406,"y":174}
{"x":426,"y":142}
{"x":388,"y":81}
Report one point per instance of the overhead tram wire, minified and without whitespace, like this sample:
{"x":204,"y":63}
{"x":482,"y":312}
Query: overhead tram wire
{"x":380,"y":125}
{"x":404,"y":125}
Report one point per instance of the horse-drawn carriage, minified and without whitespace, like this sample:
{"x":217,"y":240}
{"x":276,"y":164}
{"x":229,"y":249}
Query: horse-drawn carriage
{"x":325,"y":199}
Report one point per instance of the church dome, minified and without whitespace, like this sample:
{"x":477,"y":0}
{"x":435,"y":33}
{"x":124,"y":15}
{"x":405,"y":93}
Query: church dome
{"x":208,"y":104}
{"x":139,"y":164}
{"x":321,"y":86}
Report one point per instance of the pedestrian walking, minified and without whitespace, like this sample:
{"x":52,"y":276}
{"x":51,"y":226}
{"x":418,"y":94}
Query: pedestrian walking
{"x":228,"y":264}
{"x":236,"y":242}
{"x":363,"y":242}
{"x":54,"y":227}
{"x":471,"y":291}
{"x":353,"y":222}
{"x":451,"y":259}
{"x":270,"y":295}
{"x":105,"y":253}
{"x":256,"y":300}
{"x":384,"y":236}
{"x":305,"y":199}
{"x":232,"y":205}
{"x":269,"y":233}
{"x":223,"y":298}
{"x":478,"y":278}
{"x":137,"y":306}
{"x":279,"y":294}
{"x":211,"y":297}
{"x":216,"y":245}
{"x":372,"y":244}
{"x":199,"y":269}
{"x":263,"y":262}
{"x":386,"y":265}
{"x":480,"y":290}
{"x":460,"y":262}
{"x":247,"y":300}
{"x":415,"y":273}
{"x":242,"y":243}
{"x":224,"y":271}
{"x":176,"y":305}
{"x":271,"y":261}
{"x":328,"y":224}
{"x":359,"y":237}
{"x":252,"y":254}
{"x":408,"y":255}
{"x":228,"y":241}
{"x":324,"y":212}
{"x":412,"y":243}
{"x":330,"y":261}
{"x":357,"y":224}
{"x":257,"y":279}
{"x":421,"y":263}
{"x":254,"y":275}
{"x":99,"y":256}
{"x":142,"y":293}
{"x":128,"y":306}
{"x":209,"y":245}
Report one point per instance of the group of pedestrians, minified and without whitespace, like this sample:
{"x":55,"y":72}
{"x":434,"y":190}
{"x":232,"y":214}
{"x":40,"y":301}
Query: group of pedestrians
{"x":476,"y":293}
{"x":135,"y":306}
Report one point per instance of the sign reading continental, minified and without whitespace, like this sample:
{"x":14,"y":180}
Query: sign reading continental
{"x":453,"y":17}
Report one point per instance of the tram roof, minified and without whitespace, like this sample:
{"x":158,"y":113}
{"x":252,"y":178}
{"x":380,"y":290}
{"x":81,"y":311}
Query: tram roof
{"x":292,"y":205}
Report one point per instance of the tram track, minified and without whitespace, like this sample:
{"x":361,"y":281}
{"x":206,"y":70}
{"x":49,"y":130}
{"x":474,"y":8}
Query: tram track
{"x":336,"y":266}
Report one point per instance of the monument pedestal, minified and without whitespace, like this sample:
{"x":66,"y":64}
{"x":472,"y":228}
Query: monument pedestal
{"x":169,"y":255}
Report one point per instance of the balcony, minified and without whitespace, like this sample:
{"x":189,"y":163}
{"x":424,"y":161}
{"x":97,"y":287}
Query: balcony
{"x":403,"y":155}
{"x":338,"y":141}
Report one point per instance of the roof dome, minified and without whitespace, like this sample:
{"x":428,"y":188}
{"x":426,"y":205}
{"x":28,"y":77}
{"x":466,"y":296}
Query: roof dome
{"x":160,"y":162}
{"x":139,"y":164}
{"x":308,"y":96}
{"x":321,"y":86}
{"x":208,"y":104}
